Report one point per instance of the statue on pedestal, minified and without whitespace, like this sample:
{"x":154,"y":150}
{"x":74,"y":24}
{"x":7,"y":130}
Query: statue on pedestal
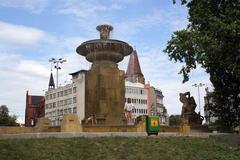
{"x":188,"y":109}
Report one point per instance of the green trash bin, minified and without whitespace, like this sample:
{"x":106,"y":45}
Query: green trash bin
{"x":152,"y":125}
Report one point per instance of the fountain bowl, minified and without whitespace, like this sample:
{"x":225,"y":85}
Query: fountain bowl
{"x":104,"y":50}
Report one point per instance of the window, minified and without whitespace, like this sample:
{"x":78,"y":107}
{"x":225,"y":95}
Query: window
{"x":58,"y":94}
{"x":74,"y":109}
{"x":74,"y":99}
{"x":65,"y":111}
{"x":61,"y":93}
{"x":74,"y":89}
{"x":54,"y":95}
{"x":54,"y":113}
{"x":65,"y":92}
{"x":69,"y":110}
{"x":65,"y":102}
{"x":54,"y":104}
{"x":69,"y":101}
{"x":70,"y":91}
{"x":50,"y":96}
{"x":60,"y":103}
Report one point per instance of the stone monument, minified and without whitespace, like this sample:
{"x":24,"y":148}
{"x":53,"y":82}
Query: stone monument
{"x":104,"y":88}
{"x":188,"y":114}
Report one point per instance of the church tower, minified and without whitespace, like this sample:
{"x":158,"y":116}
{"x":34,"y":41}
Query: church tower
{"x":51,"y":84}
{"x":134,"y":73}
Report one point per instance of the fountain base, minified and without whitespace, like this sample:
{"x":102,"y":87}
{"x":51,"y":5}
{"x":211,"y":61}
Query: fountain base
{"x":105,"y":93}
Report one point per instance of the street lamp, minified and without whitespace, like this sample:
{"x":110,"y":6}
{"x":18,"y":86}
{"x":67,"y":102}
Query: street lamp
{"x":198,"y":86}
{"x":56,"y":62}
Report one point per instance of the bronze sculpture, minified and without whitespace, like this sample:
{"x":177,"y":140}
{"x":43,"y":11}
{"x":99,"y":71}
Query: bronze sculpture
{"x":188,"y":109}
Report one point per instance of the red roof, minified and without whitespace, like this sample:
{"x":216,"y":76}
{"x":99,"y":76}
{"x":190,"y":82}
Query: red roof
{"x":134,"y":73}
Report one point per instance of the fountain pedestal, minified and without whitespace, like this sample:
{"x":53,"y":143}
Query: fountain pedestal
{"x":105,"y":89}
{"x":105,"y":93}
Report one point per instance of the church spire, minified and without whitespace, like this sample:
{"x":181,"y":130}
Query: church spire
{"x":51,"y":82}
{"x":134,"y":73}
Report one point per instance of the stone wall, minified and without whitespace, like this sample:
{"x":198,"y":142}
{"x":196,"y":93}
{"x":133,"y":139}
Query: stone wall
{"x":169,"y":129}
{"x":43,"y":125}
{"x":16,"y":130}
{"x":109,"y":129}
{"x":71,"y":123}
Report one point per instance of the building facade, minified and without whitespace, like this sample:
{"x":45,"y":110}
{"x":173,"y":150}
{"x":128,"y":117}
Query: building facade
{"x":66,"y":99}
{"x":137,"y":95}
{"x":156,"y":106}
{"x":35,"y":106}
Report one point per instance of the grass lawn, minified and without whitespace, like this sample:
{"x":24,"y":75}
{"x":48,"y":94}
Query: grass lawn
{"x":112,"y":148}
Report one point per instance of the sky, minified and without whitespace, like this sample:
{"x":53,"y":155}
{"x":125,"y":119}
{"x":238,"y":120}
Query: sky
{"x":32,"y":32}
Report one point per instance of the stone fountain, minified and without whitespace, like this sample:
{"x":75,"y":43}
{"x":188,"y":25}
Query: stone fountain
{"x":104,"y":87}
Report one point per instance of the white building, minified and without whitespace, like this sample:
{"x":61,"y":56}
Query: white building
{"x":136,"y":94}
{"x":66,"y":99}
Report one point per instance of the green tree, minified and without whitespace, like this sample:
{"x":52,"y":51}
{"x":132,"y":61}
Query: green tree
{"x":174,"y":120}
{"x":5,"y":118}
{"x":212,"y":40}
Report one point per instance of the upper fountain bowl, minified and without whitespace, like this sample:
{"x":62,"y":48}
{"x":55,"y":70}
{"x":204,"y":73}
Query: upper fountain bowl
{"x":104,"y":49}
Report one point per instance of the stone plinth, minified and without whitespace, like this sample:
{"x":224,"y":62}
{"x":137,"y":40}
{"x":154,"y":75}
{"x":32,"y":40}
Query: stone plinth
{"x":42,"y":125}
{"x":184,"y":126}
{"x":105,"y":93}
{"x":70,"y":123}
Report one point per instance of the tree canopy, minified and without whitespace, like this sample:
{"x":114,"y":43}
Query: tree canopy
{"x":5,"y":118}
{"x":212,"y":40}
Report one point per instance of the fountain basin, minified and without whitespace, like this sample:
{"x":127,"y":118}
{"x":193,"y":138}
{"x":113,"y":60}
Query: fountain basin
{"x":104,"y":50}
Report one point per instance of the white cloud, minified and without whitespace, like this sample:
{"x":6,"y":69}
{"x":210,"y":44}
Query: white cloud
{"x":32,"y":67}
{"x":71,"y":43}
{"x":86,"y":9}
{"x":171,"y":19}
{"x":34,"y":6}
{"x":18,"y":76}
{"x":19,"y":35}
{"x":131,"y":26}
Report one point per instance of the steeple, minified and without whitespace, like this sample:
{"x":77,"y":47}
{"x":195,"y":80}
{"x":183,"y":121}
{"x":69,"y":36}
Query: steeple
{"x":134,"y":73}
{"x":51,"y":84}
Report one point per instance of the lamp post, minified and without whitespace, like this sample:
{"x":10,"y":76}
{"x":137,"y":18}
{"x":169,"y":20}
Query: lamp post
{"x":56,"y":62}
{"x":198,"y":86}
